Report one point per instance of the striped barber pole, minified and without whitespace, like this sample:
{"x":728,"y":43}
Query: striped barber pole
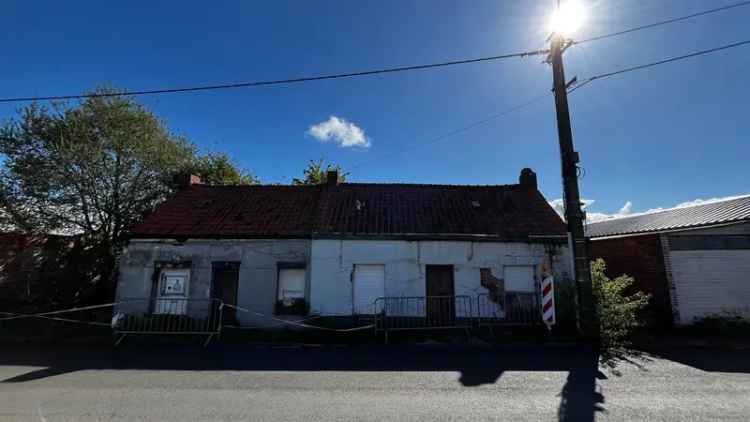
{"x":548,"y":301}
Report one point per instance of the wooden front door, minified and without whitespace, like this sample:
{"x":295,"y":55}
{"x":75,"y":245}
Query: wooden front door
{"x":441,"y":301}
{"x":226,"y":279}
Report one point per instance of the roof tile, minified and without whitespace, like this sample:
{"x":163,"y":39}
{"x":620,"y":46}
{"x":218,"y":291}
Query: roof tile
{"x":201,"y":211}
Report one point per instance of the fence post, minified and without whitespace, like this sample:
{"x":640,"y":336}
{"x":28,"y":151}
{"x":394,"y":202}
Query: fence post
{"x":221,"y":320}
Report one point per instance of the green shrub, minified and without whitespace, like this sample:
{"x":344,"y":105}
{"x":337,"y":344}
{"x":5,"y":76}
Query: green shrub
{"x":619,"y":312}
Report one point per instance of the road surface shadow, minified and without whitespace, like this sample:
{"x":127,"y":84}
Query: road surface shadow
{"x":736,"y":361}
{"x":477,"y":366}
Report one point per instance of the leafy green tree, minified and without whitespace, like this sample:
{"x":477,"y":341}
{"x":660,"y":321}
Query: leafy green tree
{"x":94,"y":169}
{"x":619,"y":309}
{"x":315,"y":173}
{"x":219,"y":169}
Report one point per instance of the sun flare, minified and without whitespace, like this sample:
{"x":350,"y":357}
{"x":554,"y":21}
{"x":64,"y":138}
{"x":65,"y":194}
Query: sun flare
{"x":568,"y":18}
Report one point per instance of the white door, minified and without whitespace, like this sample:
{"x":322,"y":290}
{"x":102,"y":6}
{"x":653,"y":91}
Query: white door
{"x":519,"y":278}
{"x":369,"y":284}
{"x":172,"y":294}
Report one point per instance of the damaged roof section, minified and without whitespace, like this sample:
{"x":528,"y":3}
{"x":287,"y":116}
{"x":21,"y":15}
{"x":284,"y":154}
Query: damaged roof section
{"x":502,"y":212}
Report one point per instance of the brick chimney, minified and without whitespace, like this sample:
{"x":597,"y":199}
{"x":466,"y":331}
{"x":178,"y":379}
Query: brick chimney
{"x":186,"y":180}
{"x":332,"y":177}
{"x":527,"y":179}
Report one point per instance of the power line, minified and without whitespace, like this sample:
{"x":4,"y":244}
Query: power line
{"x":455,"y":131}
{"x":275,"y":82}
{"x":668,"y":21}
{"x":660,"y":62}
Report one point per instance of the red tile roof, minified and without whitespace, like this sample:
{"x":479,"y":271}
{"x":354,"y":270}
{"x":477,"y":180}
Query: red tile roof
{"x":508,"y":212}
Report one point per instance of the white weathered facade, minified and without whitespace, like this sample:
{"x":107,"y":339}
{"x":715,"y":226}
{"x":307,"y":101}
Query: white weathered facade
{"x":334,"y":262}
{"x":329,"y":271}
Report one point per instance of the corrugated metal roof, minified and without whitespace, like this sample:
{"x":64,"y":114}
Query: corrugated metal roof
{"x":729,"y":211}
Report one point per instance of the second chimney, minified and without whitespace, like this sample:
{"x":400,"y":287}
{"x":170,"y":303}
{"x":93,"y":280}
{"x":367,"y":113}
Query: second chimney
{"x":332,"y":177}
{"x":527,"y":179}
{"x":186,"y":180}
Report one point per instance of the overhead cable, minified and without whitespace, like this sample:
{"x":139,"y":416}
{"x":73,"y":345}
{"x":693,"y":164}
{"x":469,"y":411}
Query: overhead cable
{"x":272,"y":82}
{"x":668,"y":21}
{"x":657,"y":63}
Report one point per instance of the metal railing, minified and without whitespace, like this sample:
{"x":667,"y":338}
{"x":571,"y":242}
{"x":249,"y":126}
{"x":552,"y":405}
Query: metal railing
{"x":168,"y":316}
{"x":518,"y":308}
{"x":423,"y":312}
{"x":447,"y":312}
{"x":206,"y":316}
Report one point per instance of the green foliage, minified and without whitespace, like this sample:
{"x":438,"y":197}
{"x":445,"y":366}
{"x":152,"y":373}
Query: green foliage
{"x":315,"y":173}
{"x":218,"y":169}
{"x":94,"y":169}
{"x":618,"y":309}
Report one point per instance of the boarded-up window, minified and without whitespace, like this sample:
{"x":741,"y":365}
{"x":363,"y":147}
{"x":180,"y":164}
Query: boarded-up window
{"x":519,"y":278}
{"x":172,"y":292}
{"x":369,"y":284}
{"x":291,"y":283}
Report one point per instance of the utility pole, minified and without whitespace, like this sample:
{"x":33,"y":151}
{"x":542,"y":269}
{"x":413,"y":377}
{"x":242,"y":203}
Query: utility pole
{"x":574,"y":216}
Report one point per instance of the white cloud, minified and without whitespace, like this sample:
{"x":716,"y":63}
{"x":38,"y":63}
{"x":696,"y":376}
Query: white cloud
{"x":340,"y":131}
{"x":698,"y":201}
{"x":627,"y":209}
{"x":591,"y":217}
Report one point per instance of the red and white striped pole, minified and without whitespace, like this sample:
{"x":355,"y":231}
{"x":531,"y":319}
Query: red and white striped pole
{"x":548,"y":301}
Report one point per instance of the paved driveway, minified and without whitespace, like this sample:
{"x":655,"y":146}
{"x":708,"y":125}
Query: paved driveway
{"x":367,"y":383}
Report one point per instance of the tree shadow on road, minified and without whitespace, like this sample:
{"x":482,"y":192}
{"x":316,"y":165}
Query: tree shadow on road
{"x":476,"y":366}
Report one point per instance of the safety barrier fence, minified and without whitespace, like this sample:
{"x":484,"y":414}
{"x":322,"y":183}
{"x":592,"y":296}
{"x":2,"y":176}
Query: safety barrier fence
{"x":423,"y":312}
{"x":510,"y":308}
{"x":205,"y":316}
{"x":455,"y":312}
{"x":168,"y":316}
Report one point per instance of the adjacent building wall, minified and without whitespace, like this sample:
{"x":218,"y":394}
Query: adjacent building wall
{"x":333,"y":262}
{"x":641,"y":258}
{"x":710,"y":270}
{"x":40,"y":270}
{"x":691,"y":273}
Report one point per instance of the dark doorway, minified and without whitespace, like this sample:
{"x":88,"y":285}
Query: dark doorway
{"x":225,"y":280}
{"x":441,"y":302}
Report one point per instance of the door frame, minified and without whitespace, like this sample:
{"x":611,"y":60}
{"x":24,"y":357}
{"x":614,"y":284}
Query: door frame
{"x":218,"y":266}
{"x":451,"y":304}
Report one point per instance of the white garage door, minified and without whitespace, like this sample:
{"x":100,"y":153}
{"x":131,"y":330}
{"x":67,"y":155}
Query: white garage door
{"x":519,"y":278}
{"x":711,"y":282}
{"x":369,"y":284}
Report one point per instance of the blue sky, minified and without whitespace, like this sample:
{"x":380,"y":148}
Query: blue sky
{"x":657,"y":137}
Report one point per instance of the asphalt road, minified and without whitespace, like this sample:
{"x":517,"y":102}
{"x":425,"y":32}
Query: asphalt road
{"x":368,"y":383}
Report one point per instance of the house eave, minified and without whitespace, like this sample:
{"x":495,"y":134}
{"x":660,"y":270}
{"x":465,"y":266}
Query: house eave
{"x":555,"y":239}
